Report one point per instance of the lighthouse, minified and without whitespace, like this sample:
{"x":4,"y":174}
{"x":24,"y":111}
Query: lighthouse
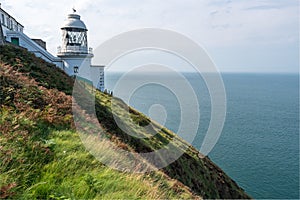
{"x":75,"y":53}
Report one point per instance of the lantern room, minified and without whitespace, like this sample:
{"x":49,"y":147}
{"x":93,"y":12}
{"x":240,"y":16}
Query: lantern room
{"x":75,"y":54}
{"x":74,"y":36}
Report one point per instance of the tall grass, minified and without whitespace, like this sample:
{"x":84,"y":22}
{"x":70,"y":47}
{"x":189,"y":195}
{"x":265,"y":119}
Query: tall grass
{"x":42,"y":156}
{"x":75,"y":174}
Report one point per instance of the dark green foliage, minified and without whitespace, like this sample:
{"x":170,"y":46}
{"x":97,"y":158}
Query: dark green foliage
{"x":41,"y":156}
{"x":48,"y":75}
{"x":34,"y":108}
{"x":200,"y":174}
{"x":22,"y":151}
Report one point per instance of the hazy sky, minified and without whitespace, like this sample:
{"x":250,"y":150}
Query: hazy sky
{"x":239,"y":35}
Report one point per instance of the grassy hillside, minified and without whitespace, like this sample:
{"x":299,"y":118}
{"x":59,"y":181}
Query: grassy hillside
{"x":41,"y":154}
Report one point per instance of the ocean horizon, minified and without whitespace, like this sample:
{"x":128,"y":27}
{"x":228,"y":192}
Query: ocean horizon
{"x":259,"y":144}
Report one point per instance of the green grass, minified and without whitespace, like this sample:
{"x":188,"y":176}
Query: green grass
{"x":74,"y":174}
{"x":53,"y":164}
{"x":47,"y":74}
{"x":42,"y":156}
{"x":198,"y":173}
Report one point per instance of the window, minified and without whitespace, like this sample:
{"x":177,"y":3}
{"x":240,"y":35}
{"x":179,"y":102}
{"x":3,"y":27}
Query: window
{"x":3,"y":20}
{"x":7,"y":22}
{"x":75,"y":69}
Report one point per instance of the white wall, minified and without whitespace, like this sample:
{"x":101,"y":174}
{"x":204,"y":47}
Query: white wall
{"x":86,"y":70}
{"x":12,"y":29}
{"x":26,"y":42}
{"x":97,"y":76}
{"x":9,"y":22}
{"x":81,"y":62}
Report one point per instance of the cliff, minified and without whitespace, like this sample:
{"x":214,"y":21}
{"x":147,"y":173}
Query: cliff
{"x":42,"y":156}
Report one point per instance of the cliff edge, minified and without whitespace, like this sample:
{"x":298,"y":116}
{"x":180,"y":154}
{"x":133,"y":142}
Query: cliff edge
{"x":42,"y":156}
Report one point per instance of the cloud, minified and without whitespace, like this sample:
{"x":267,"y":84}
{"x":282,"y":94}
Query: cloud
{"x":212,"y":23}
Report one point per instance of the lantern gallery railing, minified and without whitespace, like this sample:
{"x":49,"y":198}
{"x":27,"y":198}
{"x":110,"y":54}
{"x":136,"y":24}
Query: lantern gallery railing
{"x":74,"y":49}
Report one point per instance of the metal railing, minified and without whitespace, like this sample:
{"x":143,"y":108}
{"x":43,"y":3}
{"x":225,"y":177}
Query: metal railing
{"x":74,"y":49}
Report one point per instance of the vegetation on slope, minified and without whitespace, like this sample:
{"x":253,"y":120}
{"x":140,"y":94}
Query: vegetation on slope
{"x":192,"y":169}
{"x":41,"y":155}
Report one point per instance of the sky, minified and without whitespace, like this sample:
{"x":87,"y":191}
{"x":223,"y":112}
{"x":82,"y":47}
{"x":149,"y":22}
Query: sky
{"x":239,"y":36}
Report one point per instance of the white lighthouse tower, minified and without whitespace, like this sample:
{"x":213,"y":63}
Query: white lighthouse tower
{"x":75,"y":53}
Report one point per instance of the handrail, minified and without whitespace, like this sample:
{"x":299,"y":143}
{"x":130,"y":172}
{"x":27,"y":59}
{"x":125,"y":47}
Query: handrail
{"x":42,"y":51}
{"x":74,"y":49}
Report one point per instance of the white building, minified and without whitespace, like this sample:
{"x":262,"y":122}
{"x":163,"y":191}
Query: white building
{"x":9,"y":23}
{"x":74,"y":56}
{"x":75,"y":53}
{"x":13,"y":33}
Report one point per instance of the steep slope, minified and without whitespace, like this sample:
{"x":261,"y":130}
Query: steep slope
{"x":41,"y":155}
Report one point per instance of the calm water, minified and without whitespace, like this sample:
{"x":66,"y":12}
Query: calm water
{"x":259,"y":145}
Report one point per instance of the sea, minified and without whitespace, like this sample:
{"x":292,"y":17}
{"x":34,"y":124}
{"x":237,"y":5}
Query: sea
{"x":259,"y":144}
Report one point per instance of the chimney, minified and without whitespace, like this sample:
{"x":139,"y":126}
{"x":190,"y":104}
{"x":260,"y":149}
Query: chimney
{"x":40,"y":42}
